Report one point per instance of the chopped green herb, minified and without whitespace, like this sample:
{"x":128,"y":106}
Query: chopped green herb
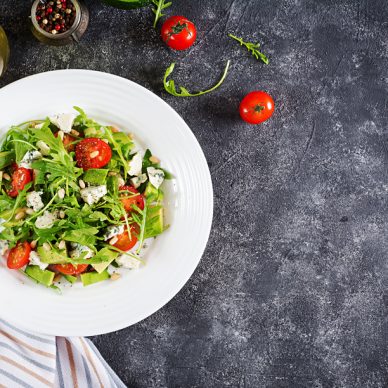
{"x":169,"y":85}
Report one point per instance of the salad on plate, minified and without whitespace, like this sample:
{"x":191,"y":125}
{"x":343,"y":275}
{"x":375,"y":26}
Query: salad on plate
{"x":78,"y":200}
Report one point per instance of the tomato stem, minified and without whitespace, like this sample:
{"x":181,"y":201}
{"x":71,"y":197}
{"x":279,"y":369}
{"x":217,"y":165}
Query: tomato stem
{"x":258,"y":108}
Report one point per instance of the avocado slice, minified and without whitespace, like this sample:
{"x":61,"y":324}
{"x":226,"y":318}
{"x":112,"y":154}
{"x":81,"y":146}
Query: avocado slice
{"x":89,"y":278}
{"x":71,"y":279}
{"x":155,"y":222}
{"x":153,"y":194}
{"x":41,"y":276}
{"x":52,"y":257}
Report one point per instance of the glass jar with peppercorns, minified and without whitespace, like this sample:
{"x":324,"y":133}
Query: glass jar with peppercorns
{"x":59,"y":22}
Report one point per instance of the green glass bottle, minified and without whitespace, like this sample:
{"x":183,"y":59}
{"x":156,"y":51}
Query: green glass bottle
{"x":4,"y":51}
{"x":127,"y":4}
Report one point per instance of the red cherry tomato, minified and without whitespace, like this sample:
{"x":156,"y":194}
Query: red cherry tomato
{"x":178,"y":32}
{"x":70,"y":269}
{"x":132,"y":199}
{"x":125,"y":243}
{"x":20,"y":177}
{"x":256,"y":107}
{"x":67,"y":141}
{"x":19,"y":256}
{"x":92,"y":153}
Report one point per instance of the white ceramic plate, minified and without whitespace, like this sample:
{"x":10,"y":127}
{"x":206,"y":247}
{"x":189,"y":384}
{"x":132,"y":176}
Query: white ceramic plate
{"x":171,"y":260}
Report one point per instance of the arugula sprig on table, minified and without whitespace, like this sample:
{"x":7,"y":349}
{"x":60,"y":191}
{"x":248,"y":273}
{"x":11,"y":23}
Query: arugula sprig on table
{"x":169,"y":85}
{"x":160,"y":5}
{"x":253,"y":48}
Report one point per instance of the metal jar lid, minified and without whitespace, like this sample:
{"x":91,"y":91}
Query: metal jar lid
{"x":73,"y":34}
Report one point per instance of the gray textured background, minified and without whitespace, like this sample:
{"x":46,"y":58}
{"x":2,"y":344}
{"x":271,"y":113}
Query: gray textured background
{"x":292,"y":289}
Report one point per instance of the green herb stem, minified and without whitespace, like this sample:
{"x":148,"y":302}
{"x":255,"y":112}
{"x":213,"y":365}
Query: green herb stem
{"x":160,"y":5}
{"x":253,"y":48}
{"x":169,"y":85}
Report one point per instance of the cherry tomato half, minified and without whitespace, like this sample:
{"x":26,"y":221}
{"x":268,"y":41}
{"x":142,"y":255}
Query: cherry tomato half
{"x":178,"y":32}
{"x":67,"y":141}
{"x":92,"y":153}
{"x":133,"y":198}
{"x":125,"y":243}
{"x":257,"y":107}
{"x":20,"y":177}
{"x":70,"y":269}
{"x":19,"y":256}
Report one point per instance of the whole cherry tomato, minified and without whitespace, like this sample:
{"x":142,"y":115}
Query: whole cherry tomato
{"x":178,"y":32}
{"x":256,"y":107}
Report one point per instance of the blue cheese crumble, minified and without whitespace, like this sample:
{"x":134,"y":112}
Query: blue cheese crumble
{"x":3,"y":246}
{"x":112,"y":231}
{"x":135,"y":164}
{"x":46,"y":220}
{"x":63,"y":121}
{"x":93,"y":194}
{"x":128,"y":261}
{"x":138,"y":180}
{"x":156,"y":176}
{"x":35,"y":260}
{"x":29,"y":158}
{"x":34,"y":200}
{"x":81,"y":250}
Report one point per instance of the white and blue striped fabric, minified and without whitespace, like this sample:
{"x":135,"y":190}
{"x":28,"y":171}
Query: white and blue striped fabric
{"x":36,"y":361}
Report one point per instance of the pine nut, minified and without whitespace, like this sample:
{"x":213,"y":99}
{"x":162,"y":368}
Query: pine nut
{"x":30,"y":211}
{"x":81,"y":184}
{"x":33,"y":244}
{"x":20,"y":215}
{"x":113,"y":240}
{"x":62,"y":214}
{"x":94,"y":154}
{"x":154,"y":159}
{"x":46,"y":246}
{"x":74,"y":132}
{"x":61,"y":134}
{"x":62,"y":245}
{"x":105,"y":140}
{"x":6,"y":176}
{"x":61,"y":193}
{"x":112,"y":173}
{"x":114,"y":129}
{"x":115,"y":276}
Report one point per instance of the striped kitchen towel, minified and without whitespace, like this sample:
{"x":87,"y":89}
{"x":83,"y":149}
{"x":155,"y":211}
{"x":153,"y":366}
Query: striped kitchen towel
{"x":34,"y":361}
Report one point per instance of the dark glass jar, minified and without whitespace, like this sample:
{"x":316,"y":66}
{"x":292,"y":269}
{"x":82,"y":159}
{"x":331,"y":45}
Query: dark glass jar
{"x":73,"y":34}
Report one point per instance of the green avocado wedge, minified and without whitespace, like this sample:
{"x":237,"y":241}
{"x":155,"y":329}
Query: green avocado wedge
{"x":89,"y":278}
{"x":41,"y":276}
{"x":127,"y":4}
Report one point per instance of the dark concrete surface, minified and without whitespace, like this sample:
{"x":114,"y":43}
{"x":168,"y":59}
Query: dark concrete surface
{"x":292,"y":289}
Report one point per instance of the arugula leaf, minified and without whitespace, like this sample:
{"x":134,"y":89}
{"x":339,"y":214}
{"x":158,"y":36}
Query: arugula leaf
{"x":253,"y":48}
{"x":84,"y":236}
{"x":6,"y":158}
{"x":160,"y":5}
{"x":169,"y":85}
